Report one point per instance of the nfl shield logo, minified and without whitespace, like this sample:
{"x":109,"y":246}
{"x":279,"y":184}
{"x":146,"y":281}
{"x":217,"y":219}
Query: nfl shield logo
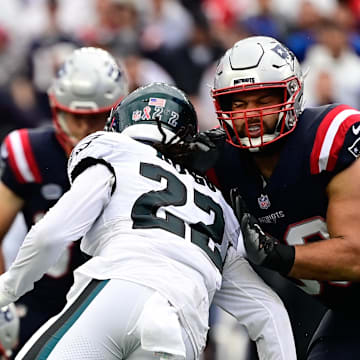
{"x":264,"y":202}
{"x":136,"y":115}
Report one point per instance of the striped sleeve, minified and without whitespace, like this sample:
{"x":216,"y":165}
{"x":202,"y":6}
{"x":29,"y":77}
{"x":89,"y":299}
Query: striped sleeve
{"x":330,"y":138}
{"x":21,"y":157}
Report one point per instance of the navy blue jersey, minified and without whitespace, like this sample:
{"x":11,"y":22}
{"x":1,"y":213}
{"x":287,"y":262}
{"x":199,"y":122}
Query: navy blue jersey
{"x":34,"y":167}
{"x":292,"y":204}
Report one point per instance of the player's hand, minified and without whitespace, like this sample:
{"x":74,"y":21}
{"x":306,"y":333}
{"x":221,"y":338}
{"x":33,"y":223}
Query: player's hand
{"x":202,"y":150}
{"x":213,"y":138}
{"x":258,"y":245}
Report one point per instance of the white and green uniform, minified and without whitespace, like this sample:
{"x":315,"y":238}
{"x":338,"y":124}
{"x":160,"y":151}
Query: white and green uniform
{"x":159,"y":237}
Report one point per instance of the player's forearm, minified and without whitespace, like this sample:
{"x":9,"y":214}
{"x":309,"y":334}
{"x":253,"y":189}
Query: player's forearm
{"x":34,"y":258}
{"x":245,"y":296}
{"x":329,"y":260}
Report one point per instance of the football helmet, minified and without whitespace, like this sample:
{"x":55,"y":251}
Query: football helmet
{"x":156,"y":112}
{"x":9,"y":330}
{"x":89,"y":81}
{"x":255,"y":63}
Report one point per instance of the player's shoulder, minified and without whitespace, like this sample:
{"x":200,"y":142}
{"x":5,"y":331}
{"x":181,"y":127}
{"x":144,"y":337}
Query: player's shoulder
{"x":327,"y":115}
{"x":23,"y":152}
{"x":319,"y":112}
{"x":98,"y":144}
{"x":333,"y":133}
{"x":99,"y":147}
{"x":34,"y":138}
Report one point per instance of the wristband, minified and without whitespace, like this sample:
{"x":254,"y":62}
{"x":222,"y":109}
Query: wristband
{"x":281,"y":259}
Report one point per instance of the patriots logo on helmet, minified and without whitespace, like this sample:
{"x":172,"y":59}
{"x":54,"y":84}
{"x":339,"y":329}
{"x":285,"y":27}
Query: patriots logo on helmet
{"x":285,"y":53}
{"x":264,"y":202}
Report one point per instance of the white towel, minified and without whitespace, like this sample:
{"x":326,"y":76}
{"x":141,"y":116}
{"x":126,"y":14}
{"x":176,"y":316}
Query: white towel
{"x":159,"y":329}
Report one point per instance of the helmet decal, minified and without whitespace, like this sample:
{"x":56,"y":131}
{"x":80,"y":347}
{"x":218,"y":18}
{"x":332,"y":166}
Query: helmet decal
{"x":157,"y":102}
{"x":285,"y":54}
{"x":155,"y":112}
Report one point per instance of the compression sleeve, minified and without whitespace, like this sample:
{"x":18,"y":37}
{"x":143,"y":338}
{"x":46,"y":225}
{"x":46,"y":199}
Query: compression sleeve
{"x":256,"y":306}
{"x":67,"y":221}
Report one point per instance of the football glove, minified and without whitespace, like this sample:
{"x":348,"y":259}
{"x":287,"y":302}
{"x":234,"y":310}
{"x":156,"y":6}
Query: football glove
{"x":262,"y":249}
{"x":200,"y":152}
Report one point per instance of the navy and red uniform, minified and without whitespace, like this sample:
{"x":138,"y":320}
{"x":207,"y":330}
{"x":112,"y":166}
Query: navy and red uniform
{"x":292,"y":204}
{"x":34,"y":168}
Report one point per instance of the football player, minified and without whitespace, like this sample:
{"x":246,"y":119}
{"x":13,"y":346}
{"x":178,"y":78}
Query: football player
{"x":162,"y":241}
{"x":87,"y":86}
{"x":292,"y":175}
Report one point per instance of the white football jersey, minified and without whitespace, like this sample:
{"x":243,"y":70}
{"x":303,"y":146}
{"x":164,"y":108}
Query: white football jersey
{"x":148,"y":221}
{"x":163,"y":227}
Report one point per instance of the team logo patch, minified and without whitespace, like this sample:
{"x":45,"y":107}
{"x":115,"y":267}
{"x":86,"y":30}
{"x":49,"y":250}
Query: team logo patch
{"x":264,"y":202}
{"x":157,"y":102}
{"x":355,"y":148}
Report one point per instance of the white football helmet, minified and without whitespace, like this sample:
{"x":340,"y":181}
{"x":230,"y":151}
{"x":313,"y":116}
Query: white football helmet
{"x":255,"y":63}
{"x":9,"y":330}
{"x":89,"y":81}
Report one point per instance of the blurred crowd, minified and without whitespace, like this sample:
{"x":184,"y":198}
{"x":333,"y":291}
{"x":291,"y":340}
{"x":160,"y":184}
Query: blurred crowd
{"x":175,"y":41}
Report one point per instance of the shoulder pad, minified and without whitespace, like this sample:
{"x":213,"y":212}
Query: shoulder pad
{"x":99,"y":147}
{"x":330,"y":137}
{"x":18,"y":150}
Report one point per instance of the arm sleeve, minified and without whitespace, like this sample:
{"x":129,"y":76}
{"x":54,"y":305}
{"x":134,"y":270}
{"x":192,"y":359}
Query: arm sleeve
{"x":67,"y":221}
{"x":245,"y":296}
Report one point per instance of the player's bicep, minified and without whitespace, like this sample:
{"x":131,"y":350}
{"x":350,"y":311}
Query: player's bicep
{"x":89,"y":162}
{"x":343,"y":216}
{"x":10,"y":205}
